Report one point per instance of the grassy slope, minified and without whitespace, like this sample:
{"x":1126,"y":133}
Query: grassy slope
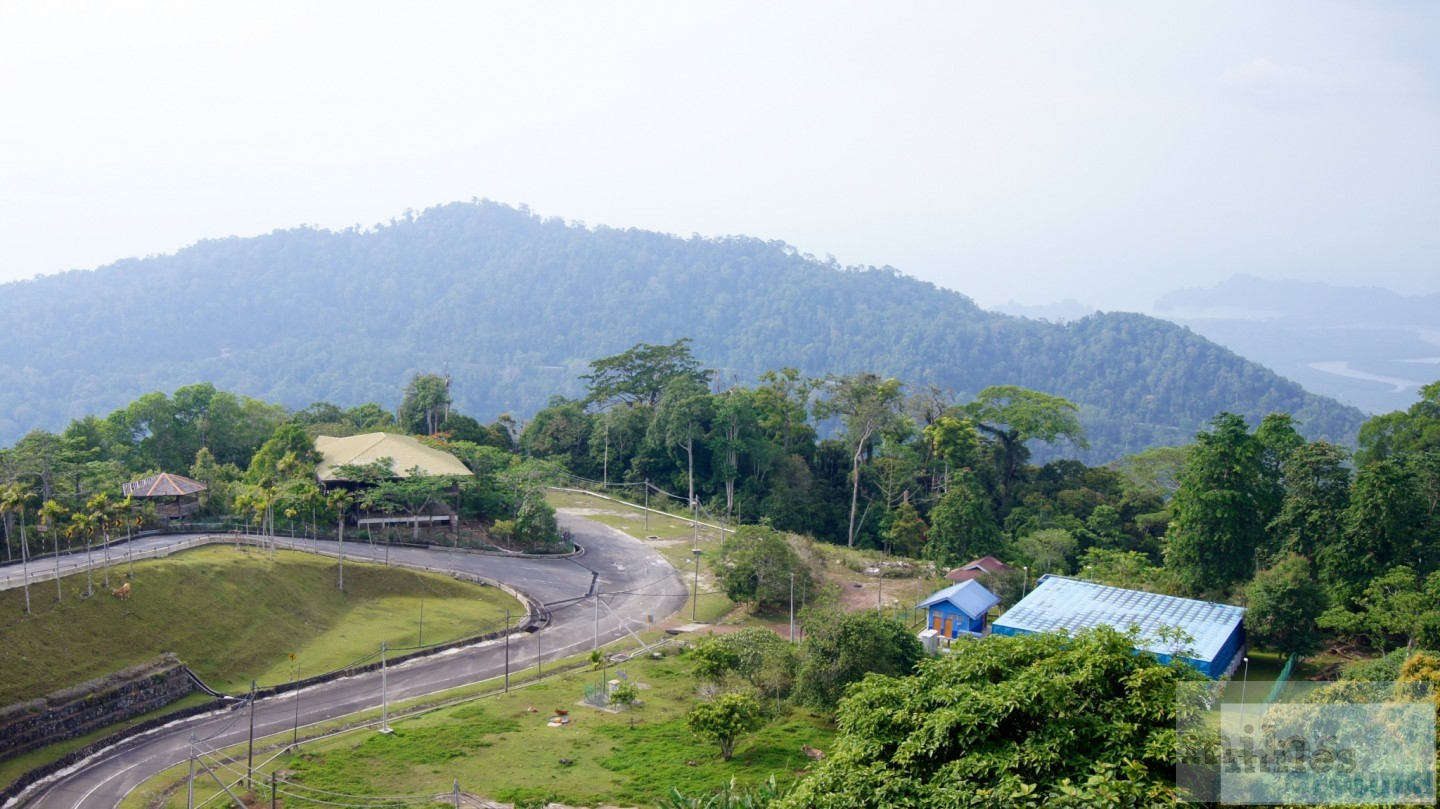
{"x":233,"y":615}
{"x":498,"y":748}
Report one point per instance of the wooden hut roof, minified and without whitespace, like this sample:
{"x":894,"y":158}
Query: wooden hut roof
{"x":162,"y":485}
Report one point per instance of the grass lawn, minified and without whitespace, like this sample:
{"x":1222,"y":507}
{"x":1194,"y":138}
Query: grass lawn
{"x":500,"y":747}
{"x":233,"y":614}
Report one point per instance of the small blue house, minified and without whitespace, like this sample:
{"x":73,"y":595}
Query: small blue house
{"x":959,"y":609}
{"x":1215,"y":633}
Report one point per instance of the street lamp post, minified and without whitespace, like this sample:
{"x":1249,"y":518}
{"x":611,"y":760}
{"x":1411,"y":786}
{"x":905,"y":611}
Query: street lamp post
{"x":695,"y":595}
{"x":1244,"y":681}
{"x":1025,"y":582}
{"x":792,"y":606}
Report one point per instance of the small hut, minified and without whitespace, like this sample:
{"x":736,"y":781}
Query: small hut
{"x":176,"y":496}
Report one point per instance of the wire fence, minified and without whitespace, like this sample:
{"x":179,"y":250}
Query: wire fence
{"x":1281,"y":680}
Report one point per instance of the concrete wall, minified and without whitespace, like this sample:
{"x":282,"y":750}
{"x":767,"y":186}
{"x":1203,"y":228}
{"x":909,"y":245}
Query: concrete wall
{"x":78,"y":711}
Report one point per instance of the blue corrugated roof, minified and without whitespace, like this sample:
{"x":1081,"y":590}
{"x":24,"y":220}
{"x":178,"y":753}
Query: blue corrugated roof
{"x":1058,"y":602}
{"x":970,"y":597}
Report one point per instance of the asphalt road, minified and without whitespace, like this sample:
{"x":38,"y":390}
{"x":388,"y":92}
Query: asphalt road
{"x":633,"y":581}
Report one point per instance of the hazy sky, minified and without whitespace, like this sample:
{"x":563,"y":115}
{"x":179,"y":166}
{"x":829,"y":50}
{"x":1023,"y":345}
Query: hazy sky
{"x":1032,"y":151}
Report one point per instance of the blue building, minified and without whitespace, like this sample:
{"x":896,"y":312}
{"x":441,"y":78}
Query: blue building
{"x":1216,"y":634}
{"x":959,"y":609}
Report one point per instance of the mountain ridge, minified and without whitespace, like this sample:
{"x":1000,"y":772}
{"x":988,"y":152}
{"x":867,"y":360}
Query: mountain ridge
{"x":514,"y":306}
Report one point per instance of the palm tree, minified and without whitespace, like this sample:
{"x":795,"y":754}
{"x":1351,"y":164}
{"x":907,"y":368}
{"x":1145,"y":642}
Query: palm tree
{"x":84,"y":524}
{"x":339,"y":499}
{"x":13,"y":500}
{"x":50,"y":515}
{"x":125,"y":512}
{"x":105,"y":514}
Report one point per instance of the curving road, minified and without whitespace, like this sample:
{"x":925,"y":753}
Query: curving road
{"x":633,"y":581}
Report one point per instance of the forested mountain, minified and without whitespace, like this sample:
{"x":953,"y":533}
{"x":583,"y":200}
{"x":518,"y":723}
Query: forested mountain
{"x":514,"y":306}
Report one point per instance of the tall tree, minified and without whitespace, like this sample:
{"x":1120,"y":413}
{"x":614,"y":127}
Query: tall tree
{"x":15,"y":500}
{"x":426,"y":404}
{"x":962,"y":525}
{"x":1013,"y":415}
{"x":730,"y":435}
{"x":83,"y":524}
{"x":867,"y":405}
{"x":1379,"y":529}
{"x":639,"y":374}
{"x":682,"y":417}
{"x":51,"y":514}
{"x":1220,"y":509}
{"x":1283,"y":603}
{"x":339,"y":500}
{"x":1317,"y":495}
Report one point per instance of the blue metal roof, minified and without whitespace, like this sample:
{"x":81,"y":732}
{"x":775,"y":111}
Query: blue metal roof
{"x":1058,"y":602}
{"x":970,"y":597}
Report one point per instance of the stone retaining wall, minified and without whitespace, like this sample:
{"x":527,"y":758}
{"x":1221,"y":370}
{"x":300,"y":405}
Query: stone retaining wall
{"x":80,"y":710}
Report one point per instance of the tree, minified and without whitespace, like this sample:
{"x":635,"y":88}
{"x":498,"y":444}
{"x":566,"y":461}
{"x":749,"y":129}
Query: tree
{"x":339,"y":500}
{"x":106,"y":514}
{"x":15,"y":499}
{"x":956,"y":441}
{"x":51,"y":514}
{"x":755,"y":566}
{"x":535,"y":524}
{"x":962,"y":525}
{"x":1047,"y":719}
{"x":83,"y":524}
{"x":1220,"y":509}
{"x":1014,"y":415}
{"x":868,"y":405}
{"x":725,"y":719}
{"x":782,"y":403}
{"x":906,"y":532}
{"x":1317,"y":495}
{"x":411,"y":494}
{"x":640,"y":374}
{"x":426,"y":404}
{"x":1283,"y":604}
{"x":733,"y":424}
{"x":681,"y":418}
{"x":288,"y":452}
{"x":840,"y":648}
{"x":1395,"y":608}
{"x":1048,"y":549}
{"x":1381,"y":528}
{"x":762,"y":658}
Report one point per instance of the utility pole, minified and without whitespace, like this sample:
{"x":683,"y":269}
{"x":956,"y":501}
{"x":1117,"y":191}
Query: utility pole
{"x":647,"y":507}
{"x":295,"y":675}
{"x":190,"y":782}
{"x":384,"y":694}
{"x":695,"y":596}
{"x":250,"y":755}
{"x":792,"y":606}
{"x":507,"y":651}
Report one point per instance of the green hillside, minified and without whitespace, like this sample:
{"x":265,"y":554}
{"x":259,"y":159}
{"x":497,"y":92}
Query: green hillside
{"x":233,"y":615}
{"x":513,"y":306}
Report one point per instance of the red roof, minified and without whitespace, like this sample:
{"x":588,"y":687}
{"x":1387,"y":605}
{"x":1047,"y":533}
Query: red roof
{"x":162,"y":485}
{"x":977,"y":568}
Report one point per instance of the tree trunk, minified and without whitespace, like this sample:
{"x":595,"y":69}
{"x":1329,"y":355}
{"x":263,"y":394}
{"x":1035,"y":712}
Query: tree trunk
{"x":59,"y":596}
{"x":340,"y":532}
{"x":25,"y":562}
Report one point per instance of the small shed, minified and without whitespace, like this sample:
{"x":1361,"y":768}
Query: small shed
{"x":1215,"y":633}
{"x":959,"y":609}
{"x":977,"y":568}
